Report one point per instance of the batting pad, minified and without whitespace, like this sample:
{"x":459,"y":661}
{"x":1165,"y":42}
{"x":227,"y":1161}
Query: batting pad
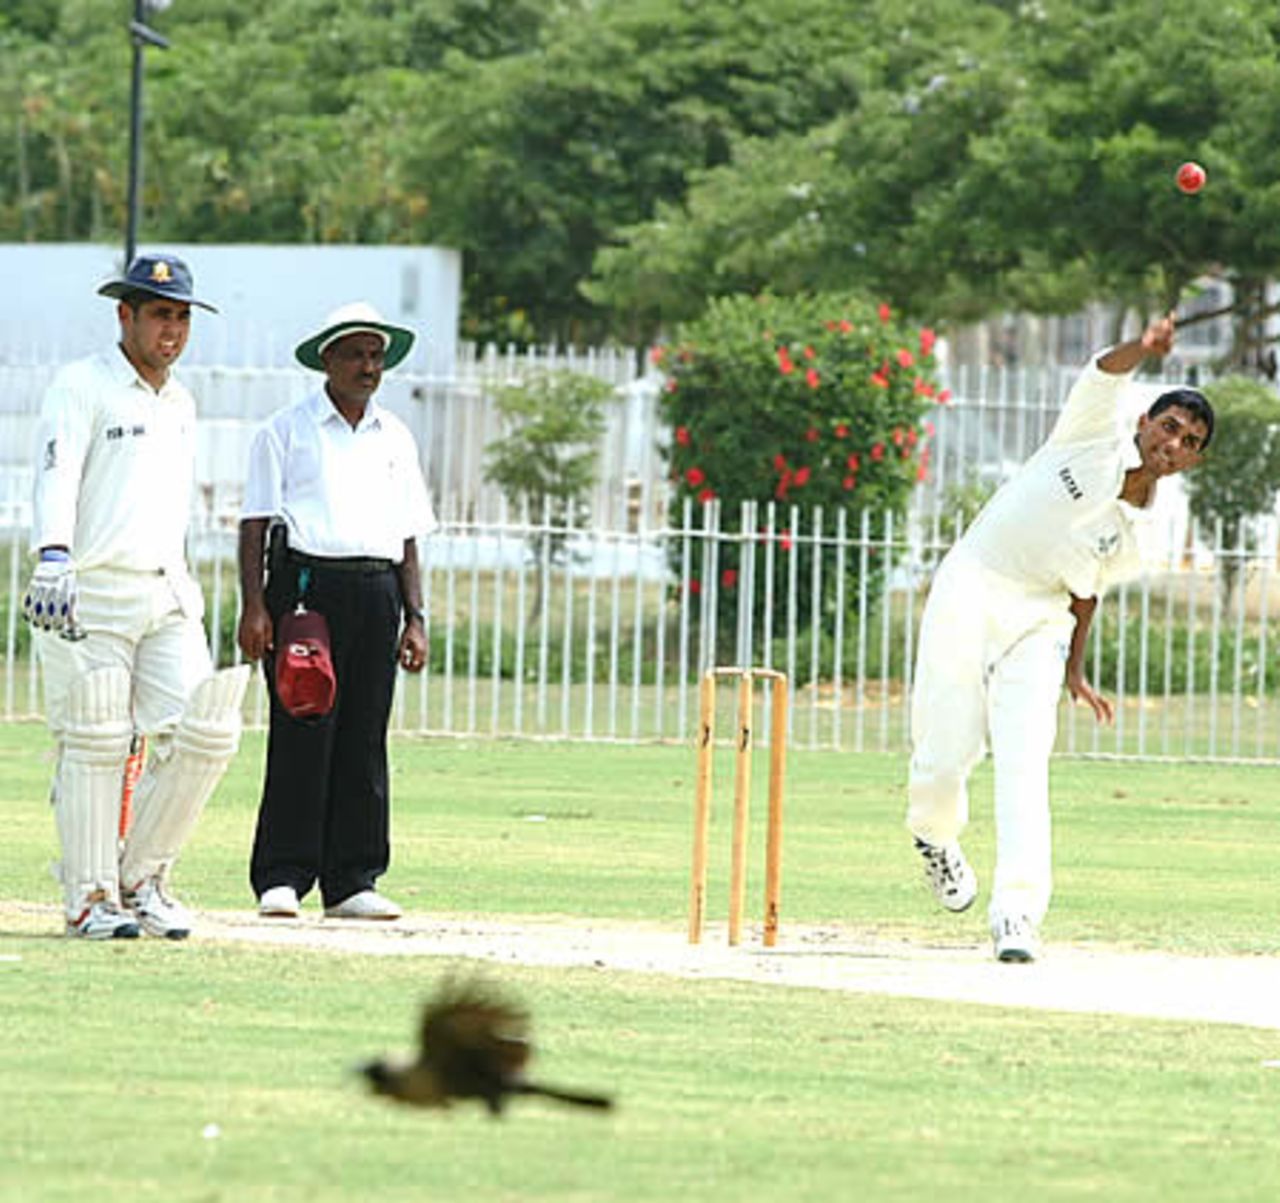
{"x":180,"y":779}
{"x":93,"y":748}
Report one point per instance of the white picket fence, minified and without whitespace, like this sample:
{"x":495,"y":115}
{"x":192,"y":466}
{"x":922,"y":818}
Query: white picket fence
{"x":995,"y":419}
{"x":608,"y":642}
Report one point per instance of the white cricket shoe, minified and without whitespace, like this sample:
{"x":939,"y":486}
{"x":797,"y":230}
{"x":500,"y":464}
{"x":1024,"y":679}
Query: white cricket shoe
{"x":101,"y":919}
{"x":279,"y":902}
{"x":953,"y":882}
{"x":368,"y":904}
{"x":1016,"y":939}
{"x":158,"y":912}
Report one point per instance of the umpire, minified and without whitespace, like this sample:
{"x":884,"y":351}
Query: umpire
{"x":335,"y":479}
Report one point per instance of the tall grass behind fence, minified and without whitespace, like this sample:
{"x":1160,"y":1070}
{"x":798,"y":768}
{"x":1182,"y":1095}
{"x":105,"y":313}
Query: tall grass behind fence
{"x":608,"y":640}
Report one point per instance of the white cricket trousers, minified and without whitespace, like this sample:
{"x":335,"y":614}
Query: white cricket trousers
{"x":989,"y":669}
{"x":146,"y":623}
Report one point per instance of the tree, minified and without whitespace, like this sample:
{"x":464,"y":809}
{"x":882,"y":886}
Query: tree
{"x":1240,"y":474}
{"x":1026,"y":164}
{"x":805,"y":402}
{"x":545,"y":461}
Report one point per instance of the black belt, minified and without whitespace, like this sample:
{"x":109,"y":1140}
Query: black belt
{"x":366,"y":564}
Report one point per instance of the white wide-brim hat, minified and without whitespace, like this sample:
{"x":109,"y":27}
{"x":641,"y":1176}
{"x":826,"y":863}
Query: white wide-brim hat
{"x":358,"y":317}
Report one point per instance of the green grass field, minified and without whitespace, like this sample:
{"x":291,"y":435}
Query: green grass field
{"x":116,"y":1059}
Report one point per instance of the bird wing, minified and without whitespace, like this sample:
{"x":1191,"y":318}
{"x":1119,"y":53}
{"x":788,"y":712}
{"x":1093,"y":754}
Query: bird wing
{"x":472,"y":1036}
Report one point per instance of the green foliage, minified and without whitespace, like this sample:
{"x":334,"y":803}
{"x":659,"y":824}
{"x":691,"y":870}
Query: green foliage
{"x":546,"y":459}
{"x":1240,"y":473}
{"x":809,"y":402}
{"x":607,"y":166}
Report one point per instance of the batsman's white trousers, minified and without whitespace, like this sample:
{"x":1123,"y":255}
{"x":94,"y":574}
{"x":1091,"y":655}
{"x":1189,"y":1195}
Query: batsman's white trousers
{"x":148,"y":628}
{"x":989,"y":668}
{"x":146,"y":623}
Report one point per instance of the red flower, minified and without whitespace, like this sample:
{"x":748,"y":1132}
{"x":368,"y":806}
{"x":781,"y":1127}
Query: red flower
{"x":707,"y":495}
{"x":656,"y":355}
{"x":695,"y":477}
{"x":877,"y":452}
{"x":849,"y":481}
{"x":885,"y":312}
{"x":923,"y":387}
{"x":812,"y":379}
{"x":944,"y":396}
{"x":812,"y":434}
{"x":810,"y":353}
{"x":927,"y":339}
{"x":879,"y":381}
{"x":842,"y":431}
{"x":913,"y":436}
{"x":785,"y":366}
{"x":922,"y":472}
{"x":899,"y":435}
{"x":784,"y":540}
{"x":728,"y":578}
{"x":682,"y":435}
{"x":779,"y":462}
{"x":784,"y":483}
{"x":846,"y":326}
{"x":831,"y":326}
{"x":801,"y":477}
{"x":672,"y":384}
{"x":905,"y":358}
{"x":695,"y":586}
{"x":852,"y":462}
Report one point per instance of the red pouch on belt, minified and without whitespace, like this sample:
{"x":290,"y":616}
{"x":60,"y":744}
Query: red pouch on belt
{"x":305,"y":681}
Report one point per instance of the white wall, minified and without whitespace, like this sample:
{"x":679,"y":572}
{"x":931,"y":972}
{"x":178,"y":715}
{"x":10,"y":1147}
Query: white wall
{"x":269,"y":297}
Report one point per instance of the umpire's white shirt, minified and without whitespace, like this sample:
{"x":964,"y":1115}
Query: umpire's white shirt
{"x":113,"y":456}
{"x":1059,"y":523}
{"x":341,"y":491}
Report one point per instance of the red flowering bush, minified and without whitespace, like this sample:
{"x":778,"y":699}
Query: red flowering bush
{"x":806,"y":401}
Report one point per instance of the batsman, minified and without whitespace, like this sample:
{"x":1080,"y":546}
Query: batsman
{"x":118,"y":618}
{"x":1007,"y":621}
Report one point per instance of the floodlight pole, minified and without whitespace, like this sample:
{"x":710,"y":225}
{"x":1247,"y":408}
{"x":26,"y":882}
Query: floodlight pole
{"x":142,"y":35}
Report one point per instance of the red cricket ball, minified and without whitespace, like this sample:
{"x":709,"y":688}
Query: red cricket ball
{"x":1191,"y":178}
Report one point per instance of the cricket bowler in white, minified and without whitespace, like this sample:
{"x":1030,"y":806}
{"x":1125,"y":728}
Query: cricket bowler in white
{"x":118,"y":618}
{"x":1007,"y":620}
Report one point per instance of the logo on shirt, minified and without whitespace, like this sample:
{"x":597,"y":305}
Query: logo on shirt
{"x":51,"y":455}
{"x":1075,"y":492}
{"x":119,"y":432}
{"x":1108,"y":543}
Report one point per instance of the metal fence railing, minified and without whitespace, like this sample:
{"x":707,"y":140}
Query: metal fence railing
{"x":601,"y":633}
{"x":995,"y":419}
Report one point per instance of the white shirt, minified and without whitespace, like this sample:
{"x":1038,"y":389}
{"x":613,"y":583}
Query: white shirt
{"x":115,"y":467}
{"x":1059,"y":523}
{"x":340,"y":491}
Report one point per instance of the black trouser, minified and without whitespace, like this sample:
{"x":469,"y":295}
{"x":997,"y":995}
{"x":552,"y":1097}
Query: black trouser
{"x":325,"y":801}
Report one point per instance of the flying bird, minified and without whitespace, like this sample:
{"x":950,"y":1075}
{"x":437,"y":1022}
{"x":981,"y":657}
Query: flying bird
{"x":474,"y":1045}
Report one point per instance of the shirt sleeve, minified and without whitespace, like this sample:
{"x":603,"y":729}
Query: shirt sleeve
{"x":63,"y":437}
{"x":264,"y":481}
{"x":1092,"y":410}
{"x":415,"y":502}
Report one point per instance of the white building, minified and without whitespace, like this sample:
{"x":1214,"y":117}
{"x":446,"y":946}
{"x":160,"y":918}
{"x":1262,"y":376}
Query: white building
{"x":269,"y":298}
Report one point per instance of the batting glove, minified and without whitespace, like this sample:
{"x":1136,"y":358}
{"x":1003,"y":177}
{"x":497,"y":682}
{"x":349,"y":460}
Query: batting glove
{"x":50,"y":601}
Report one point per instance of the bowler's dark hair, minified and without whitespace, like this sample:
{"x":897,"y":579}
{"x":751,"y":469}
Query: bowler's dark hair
{"x":1193,"y":401}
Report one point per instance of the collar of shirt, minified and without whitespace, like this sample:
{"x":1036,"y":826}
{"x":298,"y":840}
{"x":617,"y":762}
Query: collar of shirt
{"x":1130,"y":457}
{"x":124,"y":373}
{"x":323,"y":411}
